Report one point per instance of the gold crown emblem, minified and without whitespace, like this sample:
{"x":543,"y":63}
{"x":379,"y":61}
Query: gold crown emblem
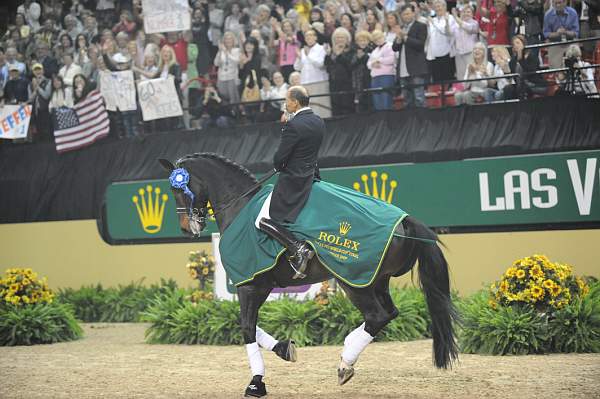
{"x":150,"y":210}
{"x":345,"y":228}
{"x":378,"y":191}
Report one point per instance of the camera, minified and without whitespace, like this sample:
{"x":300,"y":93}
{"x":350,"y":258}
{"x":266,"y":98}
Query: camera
{"x":570,"y":62}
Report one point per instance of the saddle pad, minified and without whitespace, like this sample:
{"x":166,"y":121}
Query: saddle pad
{"x":349,"y":231}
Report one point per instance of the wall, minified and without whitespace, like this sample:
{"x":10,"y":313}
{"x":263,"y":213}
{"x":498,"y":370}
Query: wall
{"x":72,"y":254}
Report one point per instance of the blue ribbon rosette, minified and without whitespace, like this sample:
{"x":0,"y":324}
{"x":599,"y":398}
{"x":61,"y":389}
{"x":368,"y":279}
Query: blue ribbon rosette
{"x":179,"y":179}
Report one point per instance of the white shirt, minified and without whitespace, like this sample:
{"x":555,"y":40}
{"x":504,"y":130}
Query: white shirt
{"x":69,"y":73}
{"x":312,"y":66}
{"x":440,"y":41}
{"x":480,"y":85}
{"x":275,"y":93}
{"x":228,"y":63}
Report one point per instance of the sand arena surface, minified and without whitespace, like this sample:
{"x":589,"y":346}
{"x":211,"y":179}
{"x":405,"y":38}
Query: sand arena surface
{"x":112,"y":361}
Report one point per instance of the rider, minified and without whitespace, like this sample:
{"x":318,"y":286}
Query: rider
{"x":296,"y":160}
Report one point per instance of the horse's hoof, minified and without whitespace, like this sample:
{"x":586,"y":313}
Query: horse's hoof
{"x":345,"y":375}
{"x":256,"y":389}
{"x":286,"y":350}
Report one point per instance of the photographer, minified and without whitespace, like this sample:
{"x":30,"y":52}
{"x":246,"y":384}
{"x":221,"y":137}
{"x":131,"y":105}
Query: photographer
{"x":575,"y":80}
{"x":529,"y":20}
{"x":219,"y":114}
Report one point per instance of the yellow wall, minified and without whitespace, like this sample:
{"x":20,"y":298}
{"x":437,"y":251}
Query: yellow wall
{"x":72,"y":254}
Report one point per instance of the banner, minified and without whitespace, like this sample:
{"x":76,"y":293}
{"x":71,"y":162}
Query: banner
{"x":166,"y":16}
{"x":505,"y":191}
{"x":159,"y":99}
{"x":14,"y":121}
{"x":118,"y":90}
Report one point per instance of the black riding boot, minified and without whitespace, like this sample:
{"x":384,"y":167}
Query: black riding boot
{"x":299,"y":253}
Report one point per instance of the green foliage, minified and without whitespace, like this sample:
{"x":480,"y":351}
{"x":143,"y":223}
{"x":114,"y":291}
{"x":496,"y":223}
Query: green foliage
{"x":413,"y":319}
{"x":174,"y":319}
{"x":122,"y":304}
{"x":576,"y":327}
{"x":37,"y":324}
{"x":289,"y":318}
{"x":521,"y":329}
{"x":516,"y":330}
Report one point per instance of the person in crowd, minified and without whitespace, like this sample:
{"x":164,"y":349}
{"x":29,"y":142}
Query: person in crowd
{"x":262,"y":21}
{"x":479,"y":68}
{"x":412,"y":63}
{"x":200,"y":27}
{"x":347,"y":22}
{"x":217,"y":109}
{"x":105,"y":13}
{"x":193,"y":86}
{"x":250,"y":60}
{"x":310,"y":61}
{"x":530,"y":22}
{"x":496,"y":87}
{"x":81,"y":49}
{"x":62,"y":95}
{"x":81,"y":88}
{"x":497,"y":31}
{"x":287,"y":46}
{"x":121,"y":41}
{"x":234,"y":21}
{"x":126,"y":24}
{"x":267,"y":62}
{"x":339,"y":68}
{"x":32,"y":12}
{"x":72,"y":27}
{"x":137,"y":56}
{"x":48,"y":33}
{"x":561,"y":23}
{"x":269,"y":110}
{"x":90,"y":29}
{"x":382,"y":63}
{"x":22,"y":27}
{"x":179,"y":45}
{"x":69,"y":69}
{"x":295,"y":79}
{"x":525,"y":63}
{"x":466,"y":35}
{"x":64,"y":45}
{"x":149,"y":69}
{"x":216,"y":18}
{"x":90,"y":69}
{"x":228,"y":60}
{"x":577,"y":81}
{"x":167,"y":67}
{"x":440,"y":51}
{"x":372,"y":21}
{"x":361,"y":76}
{"x":16,"y":89}
{"x":40,"y":90}
{"x":391,"y":22}
{"x":11,"y":59}
{"x":49,"y":63}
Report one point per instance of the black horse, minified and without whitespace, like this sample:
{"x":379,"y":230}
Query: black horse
{"x":218,"y":180}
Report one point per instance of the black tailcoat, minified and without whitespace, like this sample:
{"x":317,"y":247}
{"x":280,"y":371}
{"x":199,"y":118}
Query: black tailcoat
{"x":296,"y":160}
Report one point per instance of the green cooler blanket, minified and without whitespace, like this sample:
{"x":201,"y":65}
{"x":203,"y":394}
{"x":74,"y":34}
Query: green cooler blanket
{"x":349,"y":231}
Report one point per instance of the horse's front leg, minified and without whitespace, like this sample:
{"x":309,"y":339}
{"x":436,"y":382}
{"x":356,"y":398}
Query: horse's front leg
{"x":252,"y":296}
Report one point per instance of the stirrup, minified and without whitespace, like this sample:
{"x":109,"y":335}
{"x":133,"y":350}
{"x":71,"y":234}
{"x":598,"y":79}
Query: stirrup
{"x":302,"y":268}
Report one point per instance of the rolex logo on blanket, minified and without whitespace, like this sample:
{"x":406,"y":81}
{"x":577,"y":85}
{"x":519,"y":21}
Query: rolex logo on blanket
{"x":349,"y":231}
{"x":81,"y":125}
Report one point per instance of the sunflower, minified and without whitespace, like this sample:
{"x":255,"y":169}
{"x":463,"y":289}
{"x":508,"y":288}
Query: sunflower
{"x":537,"y":292}
{"x":555,"y":290}
{"x":503,"y":286}
{"x":548,"y":284}
{"x":520,"y":273}
{"x":510,"y":272}
{"x":14,"y":287}
{"x":536,"y":272}
{"x":193,"y":273}
{"x":205,"y":271}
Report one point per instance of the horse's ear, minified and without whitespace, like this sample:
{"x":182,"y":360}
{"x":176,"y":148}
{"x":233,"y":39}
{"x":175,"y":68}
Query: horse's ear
{"x":167,"y":165}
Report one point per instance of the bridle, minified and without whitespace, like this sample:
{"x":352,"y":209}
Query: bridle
{"x":180,"y":179}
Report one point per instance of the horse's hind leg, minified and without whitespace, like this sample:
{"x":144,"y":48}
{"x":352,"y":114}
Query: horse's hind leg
{"x":376,"y":317}
{"x":382,"y":291}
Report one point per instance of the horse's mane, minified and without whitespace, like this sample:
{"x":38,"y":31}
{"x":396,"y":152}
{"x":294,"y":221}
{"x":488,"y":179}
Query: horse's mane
{"x":211,"y":155}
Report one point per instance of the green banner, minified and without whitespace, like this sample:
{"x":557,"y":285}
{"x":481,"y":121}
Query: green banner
{"x":519,"y":190}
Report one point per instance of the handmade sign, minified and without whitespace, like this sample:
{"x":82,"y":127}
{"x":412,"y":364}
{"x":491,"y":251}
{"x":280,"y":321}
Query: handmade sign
{"x":166,"y":16}
{"x":159,"y":99}
{"x":14,"y":121}
{"x":118,"y":90}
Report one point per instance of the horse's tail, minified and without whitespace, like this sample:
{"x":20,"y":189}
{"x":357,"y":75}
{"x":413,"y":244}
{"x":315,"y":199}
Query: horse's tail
{"x":435,"y":283}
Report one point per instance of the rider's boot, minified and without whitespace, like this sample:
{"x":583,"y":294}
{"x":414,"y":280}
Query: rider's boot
{"x":299,"y":252}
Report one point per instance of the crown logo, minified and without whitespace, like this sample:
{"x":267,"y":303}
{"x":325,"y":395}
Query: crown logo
{"x":150,"y":209}
{"x":378,"y":191}
{"x":345,"y":228}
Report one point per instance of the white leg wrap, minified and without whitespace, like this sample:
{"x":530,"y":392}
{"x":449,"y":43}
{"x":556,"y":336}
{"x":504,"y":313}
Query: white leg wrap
{"x":257,"y":365}
{"x":265,"y":340}
{"x":355,"y":343}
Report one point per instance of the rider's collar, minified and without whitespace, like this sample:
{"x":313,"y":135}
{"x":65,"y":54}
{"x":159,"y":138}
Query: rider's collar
{"x":300,"y":110}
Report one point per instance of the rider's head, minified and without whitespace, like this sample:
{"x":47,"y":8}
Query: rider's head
{"x":297,"y":97}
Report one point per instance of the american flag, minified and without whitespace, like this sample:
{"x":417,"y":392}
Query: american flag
{"x":81,"y":125}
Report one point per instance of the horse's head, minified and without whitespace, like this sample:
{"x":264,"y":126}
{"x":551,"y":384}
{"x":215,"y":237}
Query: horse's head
{"x":191,"y":198}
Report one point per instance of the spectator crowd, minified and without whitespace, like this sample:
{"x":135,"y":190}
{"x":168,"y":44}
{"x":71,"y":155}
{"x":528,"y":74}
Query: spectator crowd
{"x":238,"y":52}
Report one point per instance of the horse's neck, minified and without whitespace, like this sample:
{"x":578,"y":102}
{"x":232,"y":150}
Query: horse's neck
{"x":225,"y":183}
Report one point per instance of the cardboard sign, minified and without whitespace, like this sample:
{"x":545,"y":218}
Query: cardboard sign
{"x":118,"y":90}
{"x":159,"y":99}
{"x":14,"y":121}
{"x":166,"y":16}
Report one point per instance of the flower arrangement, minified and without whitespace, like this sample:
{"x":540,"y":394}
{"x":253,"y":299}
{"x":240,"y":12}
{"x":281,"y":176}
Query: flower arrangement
{"x":22,"y":287}
{"x":201,"y":267}
{"x":536,"y":281}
